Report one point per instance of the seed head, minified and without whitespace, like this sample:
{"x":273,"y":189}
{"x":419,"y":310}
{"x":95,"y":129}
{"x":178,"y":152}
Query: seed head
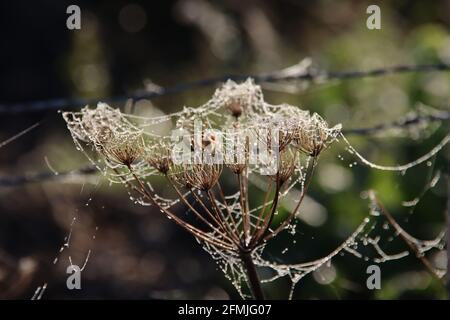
{"x":160,"y":159}
{"x":313,"y":136}
{"x":199,"y":176}
{"x":123,"y":151}
{"x":286,"y":166}
{"x":239,"y":99}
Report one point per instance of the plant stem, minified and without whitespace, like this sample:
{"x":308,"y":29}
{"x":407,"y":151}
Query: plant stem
{"x":252,"y":275}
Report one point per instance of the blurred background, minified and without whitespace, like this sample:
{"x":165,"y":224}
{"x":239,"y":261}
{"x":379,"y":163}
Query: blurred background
{"x":126,"y":47}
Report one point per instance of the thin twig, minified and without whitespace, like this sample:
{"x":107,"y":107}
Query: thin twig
{"x":199,"y":234}
{"x":19,"y":180}
{"x":268,"y":218}
{"x":16,"y":136}
{"x":399,"y":230}
{"x":308,"y":179}
{"x":227,"y":208}
{"x":205,"y":208}
{"x":308,"y":75}
{"x":197,"y":214}
{"x":400,"y":124}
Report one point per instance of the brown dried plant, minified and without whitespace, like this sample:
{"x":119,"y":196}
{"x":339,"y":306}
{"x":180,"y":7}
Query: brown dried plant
{"x":231,"y":227}
{"x":223,"y":139}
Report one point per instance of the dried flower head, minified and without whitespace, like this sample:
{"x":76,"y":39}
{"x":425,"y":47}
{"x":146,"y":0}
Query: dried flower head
{"x":309,"y":133}
{"x":199,"y":176}
{"x":275,"y":131}
{"x":160,"y":158}
{"x":286,"y":166}
{"x":313,"y":135}
{"x":239,"y":99}
{"x":125,"y":152}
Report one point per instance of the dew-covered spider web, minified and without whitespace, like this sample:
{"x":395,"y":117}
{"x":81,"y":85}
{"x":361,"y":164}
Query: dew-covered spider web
{"x":133,"y":150}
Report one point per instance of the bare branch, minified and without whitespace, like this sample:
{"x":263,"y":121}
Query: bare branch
{"x":407,"y":239}
{"x":400,"y":124}
{"x":15,"y":181}
{"x":18,"y":135}
{"x":303,"y":74}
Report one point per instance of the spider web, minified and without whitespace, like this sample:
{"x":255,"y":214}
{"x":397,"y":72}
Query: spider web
{"x":105,"y":129}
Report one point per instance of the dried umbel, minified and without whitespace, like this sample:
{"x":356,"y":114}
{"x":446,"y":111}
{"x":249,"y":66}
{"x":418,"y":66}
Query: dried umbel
{"x":239,"y":99}
{"x":275,"y":132}
{"x":123,"y":151}
{"x":160,"y":158}
{"x":199,"y":176}
{"x":314,"y":135}
{"x":286,"y":167}
{"x":98,"y":126}
{"x":228,"y":227}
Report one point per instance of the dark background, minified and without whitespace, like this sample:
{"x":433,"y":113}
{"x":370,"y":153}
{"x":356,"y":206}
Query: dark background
{"x":123,"y":45}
